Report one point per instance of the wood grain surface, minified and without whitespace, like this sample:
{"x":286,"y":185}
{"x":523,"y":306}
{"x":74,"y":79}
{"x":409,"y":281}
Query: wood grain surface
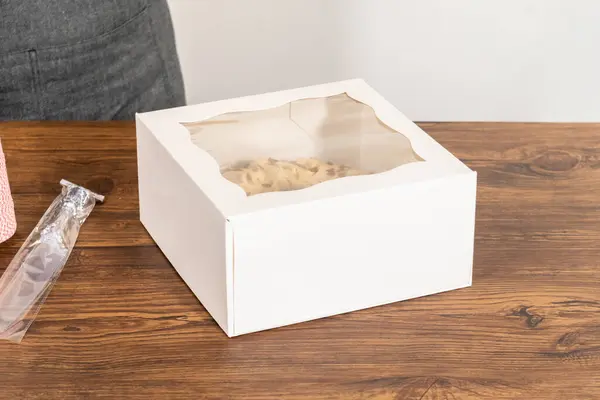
{"x":120,"y":323}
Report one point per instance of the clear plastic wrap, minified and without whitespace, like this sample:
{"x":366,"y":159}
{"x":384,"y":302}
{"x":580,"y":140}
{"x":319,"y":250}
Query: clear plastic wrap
{"x":301,"y":143}
{"x":35,"y":268}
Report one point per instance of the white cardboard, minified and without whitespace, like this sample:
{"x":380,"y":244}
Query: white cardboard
{"x":279,"y":258}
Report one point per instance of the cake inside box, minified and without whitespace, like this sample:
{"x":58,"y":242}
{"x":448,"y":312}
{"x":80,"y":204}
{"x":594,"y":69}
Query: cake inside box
{"x":301,"y":143}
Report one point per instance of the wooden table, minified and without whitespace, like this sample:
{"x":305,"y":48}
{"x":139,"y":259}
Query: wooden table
{"x":120,"y":323}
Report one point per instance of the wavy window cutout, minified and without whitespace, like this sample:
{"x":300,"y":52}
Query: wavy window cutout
{"x":301,"y":144}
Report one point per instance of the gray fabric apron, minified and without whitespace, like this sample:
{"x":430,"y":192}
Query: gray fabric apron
{"x":86,"y":59}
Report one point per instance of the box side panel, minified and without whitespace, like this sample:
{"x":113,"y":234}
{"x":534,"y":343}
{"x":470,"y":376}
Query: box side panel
{"x":184,"y":223}
{"x":229,"y":271}
{"x":328,"y":257}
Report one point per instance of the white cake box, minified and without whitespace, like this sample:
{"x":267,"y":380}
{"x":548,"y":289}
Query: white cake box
{"x":260,"y":261}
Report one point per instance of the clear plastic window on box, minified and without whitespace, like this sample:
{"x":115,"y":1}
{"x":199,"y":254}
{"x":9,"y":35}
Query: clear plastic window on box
{"x":301,"y":144}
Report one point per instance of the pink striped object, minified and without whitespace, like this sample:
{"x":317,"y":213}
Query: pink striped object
{"x":8,"y":223}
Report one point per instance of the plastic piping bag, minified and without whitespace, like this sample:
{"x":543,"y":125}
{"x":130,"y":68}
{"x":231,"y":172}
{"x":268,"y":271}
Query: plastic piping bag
{"x":31,"y":274}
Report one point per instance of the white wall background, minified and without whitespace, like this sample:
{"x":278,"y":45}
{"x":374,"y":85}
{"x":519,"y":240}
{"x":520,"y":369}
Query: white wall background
{"x":509,"y":60}
{"x":231,"y":48}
